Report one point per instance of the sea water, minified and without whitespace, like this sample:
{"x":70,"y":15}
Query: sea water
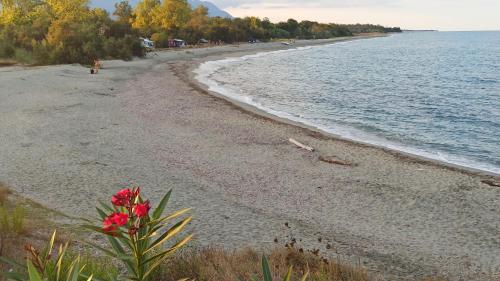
{"x":433,"y":94}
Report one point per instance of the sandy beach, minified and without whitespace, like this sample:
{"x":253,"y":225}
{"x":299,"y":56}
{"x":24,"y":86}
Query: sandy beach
{"x":68,"y":138}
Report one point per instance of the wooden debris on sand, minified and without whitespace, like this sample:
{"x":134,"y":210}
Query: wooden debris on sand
{"x":308,"y":148}
{"x":334,"y":160}
{"x":491,"y":183}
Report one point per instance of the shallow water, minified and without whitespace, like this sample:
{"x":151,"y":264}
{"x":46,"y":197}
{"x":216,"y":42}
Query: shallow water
{"x":434,"y":94}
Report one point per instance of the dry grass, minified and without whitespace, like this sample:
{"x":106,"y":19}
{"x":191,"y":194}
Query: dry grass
{"x":220,"y":265}
{"x":202,"y":265}
{"x":21,"y":223}
{"x":7,"y":62}
{"x":4,"y":193}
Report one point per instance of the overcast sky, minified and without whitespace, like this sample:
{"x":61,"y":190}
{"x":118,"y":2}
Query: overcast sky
{"x":409,"y":14}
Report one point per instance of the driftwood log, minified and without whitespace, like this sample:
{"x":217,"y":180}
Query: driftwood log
{"x":491,"y":183}
{"x":334,"y":160}
{"x":308,"y":148}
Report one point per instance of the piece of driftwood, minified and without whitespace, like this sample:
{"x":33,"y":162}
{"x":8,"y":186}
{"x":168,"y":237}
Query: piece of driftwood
{"x":301,"y":145}
{"x":491,"y":183}
{"x":334,"y":160}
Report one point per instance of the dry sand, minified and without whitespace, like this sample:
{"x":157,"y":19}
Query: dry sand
{"x":68,"y":138}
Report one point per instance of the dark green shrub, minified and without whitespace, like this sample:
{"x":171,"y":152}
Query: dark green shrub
{"x":7,"y":50}
{"x":161,"y":39}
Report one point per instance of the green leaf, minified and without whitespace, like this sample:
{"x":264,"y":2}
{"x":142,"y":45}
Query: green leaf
{"x":265,"y":270}
{"x":161,"y":207}
{"x":101,"y":213}
{"x":160,"y":258}
{"x":12,"y":262}
{"x":169,"y":251}
{"x":74,"y":270}
{"x":106,"y":251}
{"x":288,"y":275}
{"x":116,"y":245}
{"x":94,"y":228}
{"x":33,"y":273}
{"x":91,"y":276}
{"x":167,"y":235}
{"x":50,"y":246}
{"x":304,"y":278}
{"x":106,"y":206}
{"x":159,"y":221}
{"x":14,"y":276}
{"x":60,"y":257}
{"x":121,"y":254}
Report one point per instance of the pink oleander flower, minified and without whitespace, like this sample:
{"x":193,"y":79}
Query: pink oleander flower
{"x":120,"y":219}
{"x":108,"y":225}
{"x":142,"y":210}
{"x":113,"y":221}
{"x":122,"y":197}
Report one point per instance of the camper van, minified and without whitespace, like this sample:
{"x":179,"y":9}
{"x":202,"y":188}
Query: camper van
{"x":176,"y":43}
{"x":147,"y":44}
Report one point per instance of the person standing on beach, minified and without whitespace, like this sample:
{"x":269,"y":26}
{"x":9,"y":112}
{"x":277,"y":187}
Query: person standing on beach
{"x":95,"y":68}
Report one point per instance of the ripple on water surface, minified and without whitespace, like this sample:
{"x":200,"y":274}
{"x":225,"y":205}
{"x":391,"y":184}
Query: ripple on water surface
{"x":435,"y":94}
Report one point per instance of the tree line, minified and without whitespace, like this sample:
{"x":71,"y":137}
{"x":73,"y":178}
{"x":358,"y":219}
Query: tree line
{"x":69,"y":31}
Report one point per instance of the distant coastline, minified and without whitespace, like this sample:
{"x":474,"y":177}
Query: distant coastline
{"x":420,"y":30}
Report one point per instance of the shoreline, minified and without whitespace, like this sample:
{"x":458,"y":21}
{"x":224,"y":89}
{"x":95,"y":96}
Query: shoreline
{"x":191,"y":76}
{"x":70,"y":137}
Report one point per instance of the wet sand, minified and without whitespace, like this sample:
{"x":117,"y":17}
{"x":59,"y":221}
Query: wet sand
{"x":68,"y":138}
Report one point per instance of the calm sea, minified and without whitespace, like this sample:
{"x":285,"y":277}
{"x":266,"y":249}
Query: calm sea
{"x":434,"y":94}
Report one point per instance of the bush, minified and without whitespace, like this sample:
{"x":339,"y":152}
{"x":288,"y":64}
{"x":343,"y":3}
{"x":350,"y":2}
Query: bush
{"x":136,"y":237}
{"x":161,"y":39}
{"x":117,"y":48}
{"x":42,"y":53}
{"x":4,"y":194}
{"x":12,"y":221}
{"x":23,"y":56}
{"x":7,"y":50}
{"x":54,"y":264}
{"x":137,"y":49}
{"x":247,"y":264}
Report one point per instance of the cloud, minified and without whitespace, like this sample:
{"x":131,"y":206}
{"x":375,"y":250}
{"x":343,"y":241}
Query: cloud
{"x":283,"y":4}
{"x":411,"y":14}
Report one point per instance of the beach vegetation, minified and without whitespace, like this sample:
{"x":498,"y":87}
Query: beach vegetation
{"x":248,"y":265}
{"x":12,"y":221}
{"x":141,"y":246}
{"x":137,"y":236}
{"x":70,"y":31}
{"x":4,"y":194}
{"x":56,"y":262}
{"x":161,"y":39}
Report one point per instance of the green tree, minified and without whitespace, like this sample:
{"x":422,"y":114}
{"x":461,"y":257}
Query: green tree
{"x":172,"y":15}
{"x":196,"y":28}
{"x":123,"y":12}
{"x":124,"y":18}
{"x":69,"y":10}
{"x":144,"y":16}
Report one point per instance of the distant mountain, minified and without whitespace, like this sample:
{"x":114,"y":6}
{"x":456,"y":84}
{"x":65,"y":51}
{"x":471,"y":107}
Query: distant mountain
{"x":213,"y":10}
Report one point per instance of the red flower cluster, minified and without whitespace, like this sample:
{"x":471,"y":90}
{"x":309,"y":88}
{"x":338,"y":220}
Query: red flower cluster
{"x":128,"y":211}
{"x":113,"y":221}
{"x":124,"y":197}
{"x":142,"y":210}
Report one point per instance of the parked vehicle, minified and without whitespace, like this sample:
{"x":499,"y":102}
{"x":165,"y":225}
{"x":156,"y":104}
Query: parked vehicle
{"x":147,"y":44}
